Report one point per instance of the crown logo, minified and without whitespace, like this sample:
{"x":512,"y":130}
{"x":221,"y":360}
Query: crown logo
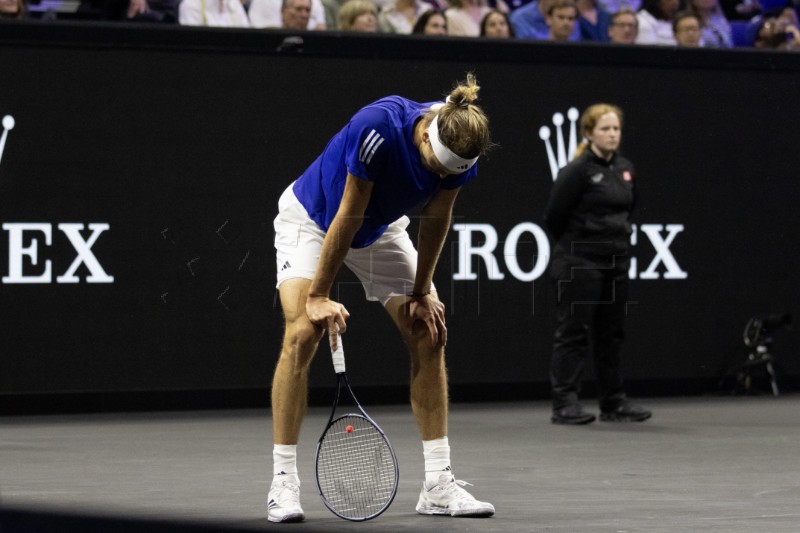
{"x":559,"y":159}
{"x":8,"y":125}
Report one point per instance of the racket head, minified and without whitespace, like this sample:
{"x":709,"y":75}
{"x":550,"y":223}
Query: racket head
{"x":356,"y":470}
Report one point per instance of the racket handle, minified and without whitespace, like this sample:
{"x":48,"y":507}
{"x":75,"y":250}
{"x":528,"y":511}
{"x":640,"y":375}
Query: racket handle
{"x":338,"y":355}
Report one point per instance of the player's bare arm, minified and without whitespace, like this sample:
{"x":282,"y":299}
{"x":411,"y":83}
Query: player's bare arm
{"x":434,"y":225}
{"x":321,"y":310}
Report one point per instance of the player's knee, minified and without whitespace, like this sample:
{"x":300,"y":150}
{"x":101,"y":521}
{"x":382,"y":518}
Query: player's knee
{"x":300,"y":342}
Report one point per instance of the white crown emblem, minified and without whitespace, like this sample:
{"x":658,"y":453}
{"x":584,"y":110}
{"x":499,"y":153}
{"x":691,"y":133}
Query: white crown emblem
{"x":8,"y":125}
{"x":560,"y":161}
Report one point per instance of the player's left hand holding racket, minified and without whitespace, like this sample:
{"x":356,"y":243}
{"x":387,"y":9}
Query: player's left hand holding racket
{"x":356,"y":468}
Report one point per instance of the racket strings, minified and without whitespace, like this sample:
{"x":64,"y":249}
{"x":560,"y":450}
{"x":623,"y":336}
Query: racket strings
{"x":356,"y":469}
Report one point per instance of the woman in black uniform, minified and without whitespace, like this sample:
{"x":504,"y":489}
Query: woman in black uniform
{"x":587,"y":214}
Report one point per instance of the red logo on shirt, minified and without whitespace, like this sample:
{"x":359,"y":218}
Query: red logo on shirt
{"x":627,"y":175}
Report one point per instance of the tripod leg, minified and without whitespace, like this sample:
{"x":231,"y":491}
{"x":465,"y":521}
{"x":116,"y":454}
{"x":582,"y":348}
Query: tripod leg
{"x":772,"y":377}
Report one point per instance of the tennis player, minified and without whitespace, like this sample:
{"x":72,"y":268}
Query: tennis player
{"x":349,"y":207}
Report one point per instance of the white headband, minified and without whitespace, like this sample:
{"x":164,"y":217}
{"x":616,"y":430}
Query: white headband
{"x":446,"y":157}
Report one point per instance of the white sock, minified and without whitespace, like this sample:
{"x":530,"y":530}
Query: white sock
{"x":284,"y":460}
{"x":437,"y":459}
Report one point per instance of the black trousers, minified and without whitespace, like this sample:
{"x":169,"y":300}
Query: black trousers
{"x":592,"y":295}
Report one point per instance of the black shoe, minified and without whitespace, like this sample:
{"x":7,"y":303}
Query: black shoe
{"x":571,"y":414}
{"x":626,"y":412}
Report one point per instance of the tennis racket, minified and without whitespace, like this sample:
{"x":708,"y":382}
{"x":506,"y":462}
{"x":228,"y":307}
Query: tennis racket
{"x":356,"y":468}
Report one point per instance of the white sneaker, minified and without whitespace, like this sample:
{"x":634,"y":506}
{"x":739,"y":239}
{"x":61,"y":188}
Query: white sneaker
{"x":447,"y":497}
{"x":284,"y":500}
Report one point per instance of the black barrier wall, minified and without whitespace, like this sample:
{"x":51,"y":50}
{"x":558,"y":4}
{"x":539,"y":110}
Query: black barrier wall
{"x":141,"y":169}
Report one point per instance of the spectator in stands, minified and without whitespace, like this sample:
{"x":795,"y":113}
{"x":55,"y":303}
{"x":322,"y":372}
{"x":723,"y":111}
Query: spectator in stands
{"x":624,"y":27}
{"x":593,"y":21}
{"x":143,"y":10}
{"x":655,"y":22}
{"x":464,"y":17}
{"x":331,"y":9}
{"x":562,"y":18}
{"x":612,"y":6}
{"x":359,"y":16}
{"x":776,"y":32}
{"x":431,"y":22}
{"x":529,"y":22}
{"x":219,"y":13}
{"x":740,"y":9}
{"x":516,"y":4}
{"x":686,"y":28}
{"x":496,"y":25}
{"x":286,"y":14}
{"x":12,"y":9}
{"x":401,"y":15}
{"x":715,"y":30}
{"x":295,"y":14}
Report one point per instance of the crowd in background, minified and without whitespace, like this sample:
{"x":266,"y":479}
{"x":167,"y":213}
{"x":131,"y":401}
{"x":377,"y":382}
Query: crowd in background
{"x":766,"y":24}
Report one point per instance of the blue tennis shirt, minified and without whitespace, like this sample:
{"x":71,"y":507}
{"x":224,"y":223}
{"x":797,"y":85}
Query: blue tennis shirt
{"x":376,"y":145}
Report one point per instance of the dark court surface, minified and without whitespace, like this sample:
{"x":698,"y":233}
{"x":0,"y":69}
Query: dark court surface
{"x":702,"y":464}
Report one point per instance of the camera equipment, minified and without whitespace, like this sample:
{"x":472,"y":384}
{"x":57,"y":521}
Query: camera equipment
{"x":757,"y":337}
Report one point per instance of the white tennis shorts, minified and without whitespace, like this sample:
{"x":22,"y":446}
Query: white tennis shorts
{"x":386,"y":268}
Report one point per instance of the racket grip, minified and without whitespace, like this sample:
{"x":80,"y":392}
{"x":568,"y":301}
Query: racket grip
{"x":338,"y":355}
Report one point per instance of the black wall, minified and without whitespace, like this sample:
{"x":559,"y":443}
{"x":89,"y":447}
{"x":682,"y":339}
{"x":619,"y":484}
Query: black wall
{"x":181,"y":140}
